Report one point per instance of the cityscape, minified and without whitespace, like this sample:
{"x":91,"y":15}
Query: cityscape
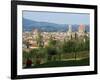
{"x":43,"y":48}
{"x":30,"y":37}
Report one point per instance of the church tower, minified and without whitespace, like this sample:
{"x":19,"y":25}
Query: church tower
{"x":70,"y":29}
{"x":69,"y":32}
{"x":81,"y":28}
{"x":81,"y":31}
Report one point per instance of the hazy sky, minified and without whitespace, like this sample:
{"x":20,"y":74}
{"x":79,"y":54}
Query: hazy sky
{"x":59,"y":17}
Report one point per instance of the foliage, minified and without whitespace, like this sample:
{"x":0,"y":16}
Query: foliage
{"x":68,"y":46}
{"x":56,"y":49}
{"x":26,"y":43}
{"x":39,"y":39}
{"x":26,"y":55}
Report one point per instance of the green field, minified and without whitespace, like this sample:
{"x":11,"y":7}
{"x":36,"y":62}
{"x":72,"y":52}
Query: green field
{"x":83,"y":62}
{"x":82,"y":59}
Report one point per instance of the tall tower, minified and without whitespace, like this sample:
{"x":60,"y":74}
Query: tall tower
{"x":69,"y":32}
{"x":81,"y":31}
{"x":70,"y":28}
{"x":81,"y":28}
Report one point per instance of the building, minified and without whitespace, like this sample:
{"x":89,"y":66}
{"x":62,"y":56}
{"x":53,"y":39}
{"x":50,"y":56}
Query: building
{"x":36,"y":36}
{"x":81,"y":31}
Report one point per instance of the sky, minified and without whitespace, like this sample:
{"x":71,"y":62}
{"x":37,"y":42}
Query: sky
{"x":57,"y":17}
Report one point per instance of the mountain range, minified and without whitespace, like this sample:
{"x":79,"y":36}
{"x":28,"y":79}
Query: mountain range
{"x":28,"y":25}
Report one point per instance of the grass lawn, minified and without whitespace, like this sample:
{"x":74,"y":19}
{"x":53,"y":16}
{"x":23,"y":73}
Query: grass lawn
{"x":70,"y":63}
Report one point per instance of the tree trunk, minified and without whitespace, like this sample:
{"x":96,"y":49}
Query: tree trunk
{"x":59,"y":57}
{"x":75,"y":55}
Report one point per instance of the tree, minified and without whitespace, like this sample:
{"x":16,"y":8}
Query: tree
{"x":52,"y":42}
{"x":26,"y":43}
{"x":34,"y":54}
{"x":80,"y":46}
{"x":87,"y":44}
{"x":59,"y":49}
{"x":70,"y":46}
{"x":39,"y":39}
{"x":38,"y":55}
{"x":51,"y":51}
{"x":27,"y":58}
{"x":76,"y":48}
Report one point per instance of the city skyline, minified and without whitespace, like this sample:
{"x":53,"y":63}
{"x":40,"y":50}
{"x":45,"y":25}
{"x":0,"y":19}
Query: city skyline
{"x":57,"y":17}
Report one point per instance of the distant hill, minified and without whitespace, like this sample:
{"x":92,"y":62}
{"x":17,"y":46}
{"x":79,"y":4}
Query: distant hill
{"x":28,"y":25}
